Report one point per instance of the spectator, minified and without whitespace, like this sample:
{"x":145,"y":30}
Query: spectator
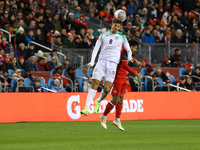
{"x":65,"y":64}
{"x":104,"y":13}
{"x":196,"y":79}
{"x":11,"y":48}
{"x":32,"y":27}
{"x":59,"y":74}
{"x":82,"y":33}
{"x":193,"y":31}
{"x":149,"y":84}
{"x":166,"y":63}
{"x":72,"y":32}
{"x":84,"y":43}
{"x":150,"y":71}
{"x":87,"y":84}
{"x":22,"y":51}
{"x":39,"y":38}
{"x":14,"y":64}
{"x":21,"y":87}
{"x":86,"y":6}
{"x":41,"y":26}
{"x":22,"y":24}
{"x":27,"y":74}
{"x":189,"y":84}
{"x":177,"y":38}
{"x":6,"y":80}
{"x":132,"y":8}
{"x":2,"y":66}
{"x":37,"y":86}
{"x":110,"y":5}
{"x":6,"y":62}
{"x":179,"y":63}
{"x":2,"y":52}
{"x":13,"y":28}
{"x":100,"y":5}
{"x":174,"y":58}
{"x":52,"y":64}
{"x":20,"y":38}
{"x":42,"y":64}
{"x":30,"y":36}
{"x":167,"y":38}
{"x":22,"y":63}
{"x":30,"y":51}
{"x":70,"y":42}
{"x":51,"y":41}
{"x":58,"y":42}
{"x":77,"y":42}
{"x":148,"y":37}
{"x":49,"y":24}
{"x":57,"y":87}
{"x":32,"y":65}
{"x":70,"y":21}
{"x":83,"y":22}
{"x":56,"y":23}
{"x":161,"y":74}
{"x":29,"y":19}
{"x":70,"y":74}
{"x":17,"y":74}
{"x":34,"y":6}
{"x":187,"y":40}
{"x":63,"y":35}
{"x":53,"y":54}
{"x":185,"y":19}
{"x":155,"y":35}
{"x":123,"y":3}
{"x":188,"y":72}
{"x":93,"y":6}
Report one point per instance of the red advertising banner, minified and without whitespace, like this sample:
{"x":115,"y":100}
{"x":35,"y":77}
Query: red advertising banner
{"x":56,"y":107}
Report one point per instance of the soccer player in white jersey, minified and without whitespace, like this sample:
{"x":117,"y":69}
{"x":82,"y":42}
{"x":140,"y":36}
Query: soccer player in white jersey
{"x":110,"y":43}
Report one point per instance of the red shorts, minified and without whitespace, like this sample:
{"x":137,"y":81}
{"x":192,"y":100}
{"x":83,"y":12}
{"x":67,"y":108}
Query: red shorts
{"x":119,"y":89}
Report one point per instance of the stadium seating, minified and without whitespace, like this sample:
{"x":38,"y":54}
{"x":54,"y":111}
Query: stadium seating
{"x":52,"y":72}
{"x":22,"y":71}
{"x":172,"y":80}
{"x":42,"y":84}
{"x":89,"y":73}
{"x":13,"y":81}
{"x":64,"y":71}
{"x":79,"y":73}
{"x":50,"y":83}
{"x":10,"y":72}
{"x":181,"y":71}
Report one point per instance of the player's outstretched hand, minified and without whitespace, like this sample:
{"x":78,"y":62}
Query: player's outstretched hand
{"x":89,"y":66}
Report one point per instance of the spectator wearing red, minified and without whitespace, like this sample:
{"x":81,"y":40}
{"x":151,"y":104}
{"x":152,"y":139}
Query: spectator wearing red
{"x":42,"y":64}
{"x":144,"y":63}
{"x":22,"y":62}
{"x":160,"y":9}
{"x":179,"y":63}
{"x":166,"y":63}
{"x":6,"y":62}
{"x":2,"y":43}
{"x":43,"y":4}
{"x":105,"y":12}
{"x":72,"y":32}
{"x":167,"y":38}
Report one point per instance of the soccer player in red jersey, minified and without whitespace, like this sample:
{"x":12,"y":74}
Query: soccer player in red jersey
{"x":119,"y":88}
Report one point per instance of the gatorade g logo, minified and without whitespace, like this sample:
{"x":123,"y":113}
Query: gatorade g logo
{"x":116,"y":37}
{"x":73,"y":109}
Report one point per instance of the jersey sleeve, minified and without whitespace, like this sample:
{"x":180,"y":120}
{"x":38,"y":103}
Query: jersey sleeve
{"x":96,"y":49}
{"x":127,"y":68}
{"x":127,"y":47}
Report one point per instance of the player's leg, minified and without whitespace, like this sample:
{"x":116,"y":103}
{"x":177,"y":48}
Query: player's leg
{"x":109,"y":107}
{"x":104,"y":93}
{"x":109,"y":78}
{"x":96,"y":76}
{"x":115,"y":96}
{"x":118,"y":108}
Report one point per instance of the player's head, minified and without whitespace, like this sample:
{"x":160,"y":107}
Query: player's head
{"x":134,"y":46}
{"x":116,"y":25}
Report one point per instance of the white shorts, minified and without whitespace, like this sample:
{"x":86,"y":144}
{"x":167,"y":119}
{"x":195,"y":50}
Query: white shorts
{"x":105,"y":68}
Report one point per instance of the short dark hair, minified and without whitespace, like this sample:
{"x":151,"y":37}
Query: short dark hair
{"x":182,"y":78}
{"x":117,"y":21}
{"x":133,"y":43}
{"x":197,"y":68}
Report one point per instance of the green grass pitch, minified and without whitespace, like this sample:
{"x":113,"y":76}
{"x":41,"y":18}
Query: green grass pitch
{"x":138,"y":135}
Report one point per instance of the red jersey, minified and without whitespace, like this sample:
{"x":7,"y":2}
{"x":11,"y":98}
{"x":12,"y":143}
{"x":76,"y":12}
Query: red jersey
{"x":122,"y":68}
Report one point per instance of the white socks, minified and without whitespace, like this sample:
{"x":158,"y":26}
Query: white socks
{"x":117,"y":119}
{"x":90,"y":96}
{"x":102,"y":96}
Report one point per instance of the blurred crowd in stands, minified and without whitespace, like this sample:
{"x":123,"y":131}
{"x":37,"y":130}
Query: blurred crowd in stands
{"x":151,"y":21}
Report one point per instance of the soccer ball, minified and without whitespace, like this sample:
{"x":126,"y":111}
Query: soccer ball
{"x":120,"y":15}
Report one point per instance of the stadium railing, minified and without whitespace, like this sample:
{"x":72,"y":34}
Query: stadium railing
{"x":77,"y":57}
{"x":47,"y":48}
{"x":8,"y":34}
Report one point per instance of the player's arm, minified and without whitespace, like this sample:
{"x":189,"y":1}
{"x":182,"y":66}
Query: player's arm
{"x":127,"y":48}
{"x":138,"y":63}
{"x":95,"y":51}
{"x":133,"y":72}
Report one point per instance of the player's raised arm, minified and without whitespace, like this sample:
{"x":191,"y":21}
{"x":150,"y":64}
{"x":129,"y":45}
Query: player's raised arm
{"x":127,"y":47}
{"x":95,"y":50}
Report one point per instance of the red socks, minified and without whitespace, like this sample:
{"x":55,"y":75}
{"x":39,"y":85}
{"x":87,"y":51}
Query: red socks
{"x":118,"y":107}
{"x":109,"y":107}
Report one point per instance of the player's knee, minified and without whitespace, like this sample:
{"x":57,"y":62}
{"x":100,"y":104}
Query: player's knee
{"x":106,"y":89}
{"x":121,"y":97}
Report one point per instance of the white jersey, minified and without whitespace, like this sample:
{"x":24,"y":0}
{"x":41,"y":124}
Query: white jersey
{"x":111,"y":46}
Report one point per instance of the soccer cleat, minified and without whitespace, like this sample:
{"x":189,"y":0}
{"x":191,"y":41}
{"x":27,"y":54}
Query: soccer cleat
{"x":103,"y":122}
{"x":96,"y":107}
{"x":118,"y":125}
{"x":84,"y":111}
